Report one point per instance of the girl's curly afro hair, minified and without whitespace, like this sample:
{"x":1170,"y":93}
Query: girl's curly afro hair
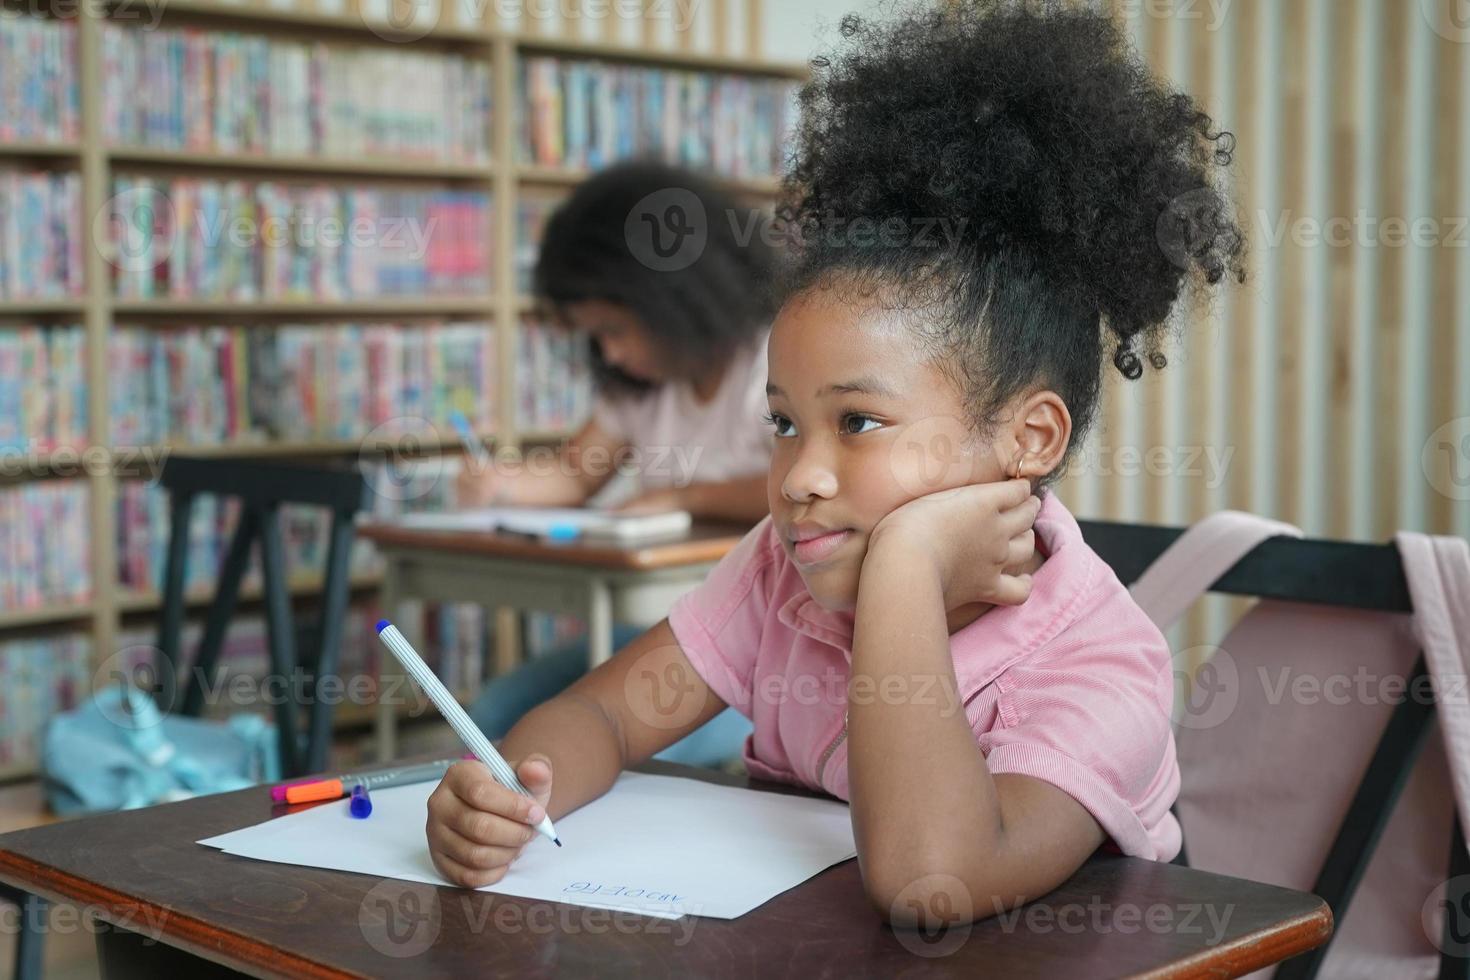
{"x":1014,"y":174}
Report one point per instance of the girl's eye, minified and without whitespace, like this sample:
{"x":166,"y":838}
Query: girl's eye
{"x":784,"y":428}
{"x":856,"y":424}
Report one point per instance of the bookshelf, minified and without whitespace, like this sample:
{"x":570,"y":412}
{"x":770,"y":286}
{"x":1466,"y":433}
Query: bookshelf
{"x":503,"y":177}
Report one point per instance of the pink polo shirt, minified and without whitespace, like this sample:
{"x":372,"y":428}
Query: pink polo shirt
{"x":1075,"y":686}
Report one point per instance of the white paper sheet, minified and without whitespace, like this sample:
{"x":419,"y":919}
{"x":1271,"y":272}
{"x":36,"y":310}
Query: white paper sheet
{"x":660,"y":845}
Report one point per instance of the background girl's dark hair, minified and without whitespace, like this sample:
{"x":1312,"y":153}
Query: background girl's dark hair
{"x":1023,"y":183}
{"x":699,"y":314}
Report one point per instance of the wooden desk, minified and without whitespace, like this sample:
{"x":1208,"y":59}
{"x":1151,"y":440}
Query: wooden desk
{"x":141,"y":872}
{"x":600,"y":581}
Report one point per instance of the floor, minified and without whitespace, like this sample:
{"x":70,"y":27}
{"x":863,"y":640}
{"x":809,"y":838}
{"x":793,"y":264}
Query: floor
{"x":70,"y":954}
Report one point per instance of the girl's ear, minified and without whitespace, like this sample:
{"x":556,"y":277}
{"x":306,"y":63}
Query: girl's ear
{"x":1042,"y":429}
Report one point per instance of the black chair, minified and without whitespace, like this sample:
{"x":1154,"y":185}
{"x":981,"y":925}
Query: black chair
{"x":262,"y":488}
{"x":1349,"y":575}
{"x":29,"y":943}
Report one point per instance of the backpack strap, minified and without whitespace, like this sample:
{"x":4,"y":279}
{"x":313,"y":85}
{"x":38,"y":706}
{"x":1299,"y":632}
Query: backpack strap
{"x":1204,"y":552}
{"x":1438,"y":572}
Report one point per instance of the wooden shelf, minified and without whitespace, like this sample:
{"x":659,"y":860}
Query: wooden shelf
{"x":133,"y":601}
{"x":45,"y":615}
{"x":258,"y":13}
{"x":131,"y":156}
{"x":41,"y":307}
{"x":325,"y":447}
{"x":660,"y":58}
{"x":571,"y":176}
{"x":375,"y":308}
{"x":39,"y":150}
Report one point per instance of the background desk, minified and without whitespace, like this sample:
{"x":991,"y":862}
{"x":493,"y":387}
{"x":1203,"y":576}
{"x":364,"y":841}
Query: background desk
{"x":142,"y":870}
{"x":599,"y":581}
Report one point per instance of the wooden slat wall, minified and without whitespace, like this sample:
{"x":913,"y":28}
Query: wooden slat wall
{"x":1324,"y":378}
{"x":1311,"y":393}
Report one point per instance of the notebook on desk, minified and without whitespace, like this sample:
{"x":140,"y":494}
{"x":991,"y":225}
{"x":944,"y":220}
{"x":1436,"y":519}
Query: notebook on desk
{"x":557,"y":522}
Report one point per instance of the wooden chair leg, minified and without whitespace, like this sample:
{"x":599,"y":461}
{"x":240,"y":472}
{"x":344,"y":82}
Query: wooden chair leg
{"x":30,"y":940}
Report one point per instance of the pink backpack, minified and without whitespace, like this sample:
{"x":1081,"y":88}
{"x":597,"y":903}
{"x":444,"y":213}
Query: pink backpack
{"x":1313,"y":754}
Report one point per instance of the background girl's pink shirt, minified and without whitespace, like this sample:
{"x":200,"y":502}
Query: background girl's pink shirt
{"x":1075,"y":686}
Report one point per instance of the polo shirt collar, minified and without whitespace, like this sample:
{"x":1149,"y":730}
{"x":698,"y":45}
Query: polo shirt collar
{"x":1004,"y":635}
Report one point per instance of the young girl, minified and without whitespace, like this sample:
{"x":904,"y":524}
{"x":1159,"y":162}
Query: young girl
{"x":680,"y":361}
{"x":986,"y":200}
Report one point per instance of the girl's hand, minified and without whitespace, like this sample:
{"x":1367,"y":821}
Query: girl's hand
{"x":978,"y":537}
{"x":477,"y":827}
{"x":476,"y":486}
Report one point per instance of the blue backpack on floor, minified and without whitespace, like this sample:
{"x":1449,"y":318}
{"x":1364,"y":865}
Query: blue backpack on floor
{"x":119,"y":752}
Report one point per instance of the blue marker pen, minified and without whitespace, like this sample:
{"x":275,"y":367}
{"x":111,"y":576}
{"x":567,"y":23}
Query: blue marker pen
{"x":472,"y":444}
{"x":361,"y":804}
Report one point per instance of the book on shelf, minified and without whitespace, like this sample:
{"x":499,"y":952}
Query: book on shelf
{"x":306,"y":383}
{"x":46,"y":541}
{"x":143,"y":529}
{"x":43,"y":388}
{"x":39,"y":101}
{"x":38,"y":678}
{"x":533,"y":211}
{"x":235,"y":240}
{"x":584,"y":114}
{"x":555,"y":366}
{"x":231,"y":93}
{"x":41,"y":235}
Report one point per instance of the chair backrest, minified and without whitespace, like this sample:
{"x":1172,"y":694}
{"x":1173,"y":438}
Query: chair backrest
{"x":261,"y":488}
{"x":1347,"y":575}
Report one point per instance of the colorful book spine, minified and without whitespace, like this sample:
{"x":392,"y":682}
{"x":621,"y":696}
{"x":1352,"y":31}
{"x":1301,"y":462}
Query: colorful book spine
{"x":587,"y":114}
{"x":39,"y":100}
{"x":143,"y":528}
{"x":555,"y":370}
{"x":43,"y":388}
{"x":241,"y":241}
{"x":329,"y":382}
{"x":215,"y":92}
{"x":40,"y":235}
{"x":42,"y":677}
{"x":45,"y":539}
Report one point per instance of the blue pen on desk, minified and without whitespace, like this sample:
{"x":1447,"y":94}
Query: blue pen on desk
{"x":361,"y":805}
{"x":468,"y":732}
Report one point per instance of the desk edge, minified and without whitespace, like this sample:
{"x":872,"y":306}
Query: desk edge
{"x":217,"y":945}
